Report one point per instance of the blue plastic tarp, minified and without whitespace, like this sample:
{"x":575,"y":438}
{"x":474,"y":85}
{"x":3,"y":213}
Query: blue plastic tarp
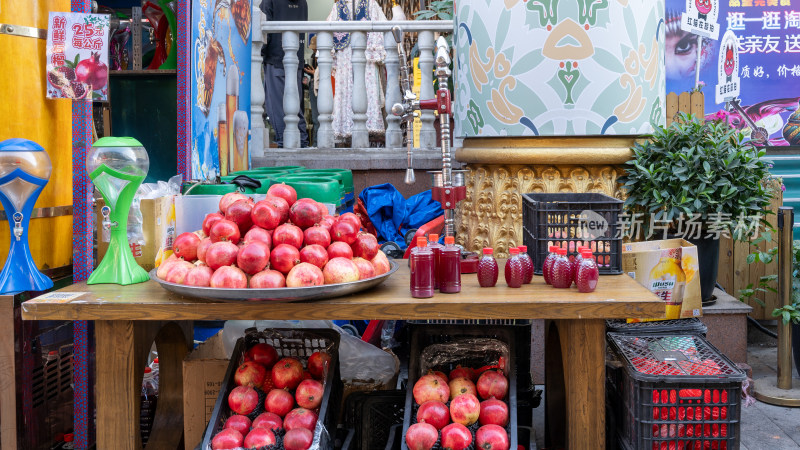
{"x":393,"y":215}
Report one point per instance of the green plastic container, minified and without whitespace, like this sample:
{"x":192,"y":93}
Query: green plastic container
{"x":323,"y":190}
{"x":210,"y":189}
{"x":286,"y":168}
{"x":347,"y":175}
{"x":260,"y":171}
{"x":334,"y":177}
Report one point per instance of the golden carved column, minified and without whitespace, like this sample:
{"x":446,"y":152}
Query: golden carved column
{"x":501,"y":170}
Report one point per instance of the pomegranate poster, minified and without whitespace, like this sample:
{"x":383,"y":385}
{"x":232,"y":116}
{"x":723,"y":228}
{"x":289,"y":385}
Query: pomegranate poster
{"x":220,"y":68}
{"x":77,"y":56}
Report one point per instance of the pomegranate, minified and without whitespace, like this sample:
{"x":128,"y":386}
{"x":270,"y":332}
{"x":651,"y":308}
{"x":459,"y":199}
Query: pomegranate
{"x":281,"y":205}
{"x":327,"y":222}
{"x":202,"y":248}
{"x":440,"y":374}
{"x":92,"y":71}
{"x":340,"y":250}
{"x":238,"y":423}
{"x":199,"y":276}
{"x":421,"y":436}
{"x":166,"y":265}
{"x":305,"y":214}
{"x":323,"y":210}
{"x":464,"y":372}
{"x":250,"y":374}
{"x":305,"y":274}
{"x":366,"y":246}
{"x":365,"y":268}
{"x":317,"y":364}
{"x":430,"y":387}
{"x":228,"y":277}
{"x":283,"y":257}
{"x":263,"y":354}
{"x":298,"y":439}
{"x":279,"y":402}
{"x":220,"y":254}
{"x":435,"y":413}
{"x":381,"y":263}
{"x":465,"y":409}
{"x":283,"y":191}
{"x":492,"y":384}
{"x":314,"y":254}
{"x":300,"y":418}
{"x":317,"y":235}
{"x":493,"y":412}
{"x":210,"y":220}
{"x":253,"y":257}
{"x":177,"y":272}
{"x":243,"y":400}
{"x":267,"y":279}
{"x":288,"y":234}
{"x":352,"y":218}
{"x":185,"y":246}
{"x":259,"y":437}
{"x":492,"y":437}
{"x":266,"y":215}
{"x":268,"y":420}
{"x":456,"y":437}
{"x":258,"y":234}
{"x":225,"y":230}
{"x":239,"y":213}
{"x":459,"y":386}
{"x":287,"y":373}
{"x":227,"y":439}
{"x":309,"y":394}
{"x":344,"y":231}
{"x":340,"y":270}
{"x":228,"y":199}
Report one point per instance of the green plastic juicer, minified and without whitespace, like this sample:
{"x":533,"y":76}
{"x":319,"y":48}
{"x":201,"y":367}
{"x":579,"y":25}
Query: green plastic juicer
{"x":117,"y":167}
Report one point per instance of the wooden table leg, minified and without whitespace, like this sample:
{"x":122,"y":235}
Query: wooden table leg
{"x":122,"y":348}
{"x":581,"y":345}
{"x":9,"y":315}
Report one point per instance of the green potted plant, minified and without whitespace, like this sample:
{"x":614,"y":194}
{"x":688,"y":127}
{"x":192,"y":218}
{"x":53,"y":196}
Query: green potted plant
{"x":698,"y":171}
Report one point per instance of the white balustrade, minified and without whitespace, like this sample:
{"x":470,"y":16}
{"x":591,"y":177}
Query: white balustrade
{"x":258,"y":133}
{"x":325,"y":97}
{"x":291,"y":92}
{"x":394,"y":135}
{"x":358,"y":40}
{"x":427,"y":134}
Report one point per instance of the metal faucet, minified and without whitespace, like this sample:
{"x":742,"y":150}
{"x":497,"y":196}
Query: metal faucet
{"x":406,"y":110}
{"x":17,"y":217}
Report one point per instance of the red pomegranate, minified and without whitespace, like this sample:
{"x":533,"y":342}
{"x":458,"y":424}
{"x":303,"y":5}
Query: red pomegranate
{"x":459,"y":386}
{"x":283,"y":191}
{"x":421,"y":436}
{"x":305,"y":214}
{"x":492,"y":384}
{"x":283,"y":257}
{"x":202,"y":247}
{"x":288,"y":234}
{"x":435,"y":413}
{"x":281,"y":205}
{"x":177,"y":272}
{"x":227,"y":439}
{"x":164,"y":267}
{"x":262,"y":353}
{"x":300,"y":418}
{"x":279,"y":402}
{"x":259,"y":438}
{"x":253,"y":257}
{"x":317,"y":363}
{"x":464,"y":372}
{"x":92,"y":71}
{"x":465,"y":409}
{"x":228,"y":199}
{"x":365,"y":268}
{"x":340,"y":250}
{"x":238,"y":423}
{"x":317,"y":235}
{"x":381,"y":263}
{"x":304,"y":274}
{"x":352,"y":218}
{"x":185,"y":246}
{"x":492,"y":437}
{"x":239,"y":213}
{"x":456,"y":437}
{"x":225,"y":230}
{"x":309,"y":394}
{"x":243,"y":400}
{"x":287,"y":373}
{"x":430,"y":387}
{"x":228,"y":277}
{"x":344,"y":231}
{"x":298,"y":439}
{"x":220,"y":254}
{"x":266,"y":215}
{"x":268,"y":420}
{"x":267,"y":279}
{"x":493,"y":412}
{"x":366,"y":246}
{"x":327,"y":222}
{"x":258,"y":234}
{"x":210,"y":220}
{"x":250,"y":373}
{"x":340,"y":270}
{"x":314,"y":254}
{"x":199,"y":276}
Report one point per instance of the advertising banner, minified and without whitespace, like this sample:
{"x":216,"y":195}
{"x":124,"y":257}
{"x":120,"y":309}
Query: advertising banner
{"x":77,"y":56}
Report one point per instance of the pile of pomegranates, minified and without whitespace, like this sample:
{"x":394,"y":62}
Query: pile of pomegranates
{"x":281,"y":241}
{"x":450,"y":414}
{"x":276,"y":402}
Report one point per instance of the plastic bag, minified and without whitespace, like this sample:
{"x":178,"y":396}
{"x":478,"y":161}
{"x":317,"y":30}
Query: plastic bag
{"x":148,"y":191}
{"x":472,"y":352}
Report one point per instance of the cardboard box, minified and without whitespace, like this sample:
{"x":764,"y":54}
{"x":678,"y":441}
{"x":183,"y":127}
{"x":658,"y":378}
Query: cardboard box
{"x":203,"y":374}
{"x":669,"y":269}
{"x":158,"y":226}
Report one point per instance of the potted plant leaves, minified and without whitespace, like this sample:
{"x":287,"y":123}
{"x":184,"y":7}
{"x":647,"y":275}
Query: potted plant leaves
{"x":703,"y":173}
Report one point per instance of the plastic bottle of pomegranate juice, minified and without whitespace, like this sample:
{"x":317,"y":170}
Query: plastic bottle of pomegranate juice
{"x":487,"y":269}
{"x":436,"y":248}
{"x":514,"y":270}
{"x":577,"y":261}
{"x":547,"y":265}
{"x":527,"y":264}
{"x":450,"y":267}
{"x":588,"y":273}
{"x":561,"y":276}
{"x":421,"y":262}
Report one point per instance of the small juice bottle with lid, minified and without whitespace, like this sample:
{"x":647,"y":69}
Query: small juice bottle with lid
{"x":487,"y":269}
{"x":436,"y":247}
{"x":527,"y":264}
{"x":588,"y":273}
{"x":514,"y":269}
{"x":561,"y":276}
{"x":575,"y":262}
{"x":547,"y":265}
{"x":421,"y":262}
{"x":450,"y":267}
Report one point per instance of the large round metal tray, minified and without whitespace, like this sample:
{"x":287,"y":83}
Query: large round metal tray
{"x":276,"y":294}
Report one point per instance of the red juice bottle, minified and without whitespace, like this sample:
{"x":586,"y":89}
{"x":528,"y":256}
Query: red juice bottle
{"x":576,"y":261}
{"x":487,"y":269}
{"x":421,"y":262}
{"x":436,"y":247}
{"x":588,"y":273}
{"x":514,"y":271}
{"x":562,"y":271}
{"x":450,"y":267}
{"x":527,"y":264}
{"x":547,"y":266}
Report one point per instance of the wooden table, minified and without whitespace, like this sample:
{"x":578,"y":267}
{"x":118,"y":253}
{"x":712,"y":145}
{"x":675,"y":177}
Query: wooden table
{"x":128,"y":318}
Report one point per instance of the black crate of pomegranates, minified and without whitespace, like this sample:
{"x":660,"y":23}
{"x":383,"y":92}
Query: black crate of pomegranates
{"x":280,"y":391}
{"x":477,"y":362}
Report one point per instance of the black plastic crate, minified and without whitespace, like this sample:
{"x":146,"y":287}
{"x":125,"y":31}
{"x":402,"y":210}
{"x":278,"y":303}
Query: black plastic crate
{"x":569,"y":221}
{"x":374,"y":414}
{"x":674,"y":392}
{"x":424,"y":336}
{"x":299,"y":343}
{"x":692,"y":325}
